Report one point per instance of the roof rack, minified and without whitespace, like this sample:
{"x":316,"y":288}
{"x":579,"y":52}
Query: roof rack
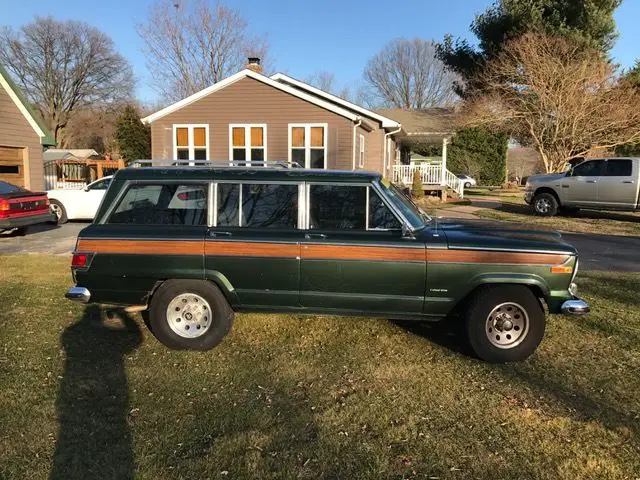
{"x":215,"y":163}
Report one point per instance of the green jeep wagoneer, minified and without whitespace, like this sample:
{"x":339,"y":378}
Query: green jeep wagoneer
{"x":194,"y":244}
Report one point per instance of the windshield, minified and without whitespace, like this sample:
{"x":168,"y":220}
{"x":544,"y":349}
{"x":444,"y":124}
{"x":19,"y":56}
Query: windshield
{"x":9,"y":188}
{"x":409,"y":210}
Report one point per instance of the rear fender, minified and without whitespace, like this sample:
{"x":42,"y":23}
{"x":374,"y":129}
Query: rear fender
{"x":224,"y":285}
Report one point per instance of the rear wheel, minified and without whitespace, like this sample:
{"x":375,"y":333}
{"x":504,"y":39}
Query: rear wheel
{"x":190,"y":314}
{"x":545,"y":205}
{"x":59,"y":211}
{"x":504,"y":323}
{"x":467,"y":185}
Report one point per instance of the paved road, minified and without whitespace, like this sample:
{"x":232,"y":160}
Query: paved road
{"x":597,"y":252}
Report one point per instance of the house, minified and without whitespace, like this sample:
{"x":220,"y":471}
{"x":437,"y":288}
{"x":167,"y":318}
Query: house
{"x":23,"y":136}
{"x":75,"y":154}
{"x":253,"y":117}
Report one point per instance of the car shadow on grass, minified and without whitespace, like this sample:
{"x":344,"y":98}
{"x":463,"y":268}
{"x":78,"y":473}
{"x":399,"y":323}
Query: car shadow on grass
{"x":582,"y":213}
{"x":94,"y":439}
{"x":448,"y":333}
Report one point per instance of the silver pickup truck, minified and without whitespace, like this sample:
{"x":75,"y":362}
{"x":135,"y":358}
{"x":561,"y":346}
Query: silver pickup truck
{"x":602,"y":184}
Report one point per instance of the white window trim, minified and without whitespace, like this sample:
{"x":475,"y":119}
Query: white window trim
{"x":190,"y":127}
{"x":307,"y":140}
{"x":247,"y":140}
{"x":361,"y":152}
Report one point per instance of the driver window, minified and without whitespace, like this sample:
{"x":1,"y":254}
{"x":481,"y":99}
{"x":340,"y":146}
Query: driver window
{"x":591,"y":168}
{"x":100,"y":184}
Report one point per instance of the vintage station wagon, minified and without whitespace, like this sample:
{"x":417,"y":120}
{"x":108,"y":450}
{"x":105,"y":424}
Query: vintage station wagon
{"x":194,"y":244}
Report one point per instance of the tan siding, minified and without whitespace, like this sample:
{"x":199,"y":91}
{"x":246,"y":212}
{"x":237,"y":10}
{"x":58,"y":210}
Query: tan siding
{"x":250,"y":101}
{"x":15,"y":131}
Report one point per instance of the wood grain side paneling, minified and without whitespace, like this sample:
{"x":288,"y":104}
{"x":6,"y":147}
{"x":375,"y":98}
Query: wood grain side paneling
{"x":252,"y":249}
{"x":345,"y":252}
{"x":503,"y":258}
{"x":148,"y":247}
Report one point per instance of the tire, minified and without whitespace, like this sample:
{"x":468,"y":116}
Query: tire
{"x":467,"y":185}
{"x":60,"y":212}
{"x":21,"y":231}
{"x":174,"y":300}
{"x":545,"y":205}
{"x":494,"y":317}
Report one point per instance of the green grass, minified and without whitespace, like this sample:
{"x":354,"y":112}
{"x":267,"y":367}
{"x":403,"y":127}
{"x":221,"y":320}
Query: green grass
{"x":310,"y":397}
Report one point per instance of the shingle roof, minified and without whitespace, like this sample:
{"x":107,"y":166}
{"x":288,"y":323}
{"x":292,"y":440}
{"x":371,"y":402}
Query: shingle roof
{"x":430,"y":123}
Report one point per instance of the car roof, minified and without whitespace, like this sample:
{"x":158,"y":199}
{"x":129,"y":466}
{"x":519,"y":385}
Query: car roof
{"x":244,"y":173}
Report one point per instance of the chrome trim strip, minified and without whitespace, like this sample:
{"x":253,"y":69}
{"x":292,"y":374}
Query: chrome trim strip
{"x":512,"y":250}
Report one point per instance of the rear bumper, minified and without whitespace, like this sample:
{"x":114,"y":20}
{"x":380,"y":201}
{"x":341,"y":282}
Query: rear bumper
{"x":78,"y":294}
{"x":25,"y":221}
{"x":575,"y":307}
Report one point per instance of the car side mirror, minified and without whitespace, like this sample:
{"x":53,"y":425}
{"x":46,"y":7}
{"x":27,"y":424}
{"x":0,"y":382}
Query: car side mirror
{"x":86,"y":189}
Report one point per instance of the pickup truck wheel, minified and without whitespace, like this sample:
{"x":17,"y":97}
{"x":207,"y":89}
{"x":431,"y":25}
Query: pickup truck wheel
{"x":504,"y":323}
{"x":59,"y":211}
{"x":545,"y":205}
{"x":189,"y":315}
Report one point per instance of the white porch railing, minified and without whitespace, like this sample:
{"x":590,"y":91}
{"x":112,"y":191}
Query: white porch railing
{"x":429,"y":174}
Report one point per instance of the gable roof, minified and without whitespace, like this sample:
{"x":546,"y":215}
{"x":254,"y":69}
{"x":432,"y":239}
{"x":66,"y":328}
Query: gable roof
{"x":332,"y":107}
{"x":26,"y":109}
{"x":430,"y":123}
{"x":385,"y":121}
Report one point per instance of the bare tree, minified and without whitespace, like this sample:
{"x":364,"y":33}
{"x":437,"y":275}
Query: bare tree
{"x":550,"y":93}
{"x":63,"y":66}
{"x":192,"y":44}
{"x":323,"y":80}
{"x":407,"y":74}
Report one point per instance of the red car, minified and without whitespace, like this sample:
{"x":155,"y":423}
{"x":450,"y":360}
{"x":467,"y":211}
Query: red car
{"x":20,"y":208}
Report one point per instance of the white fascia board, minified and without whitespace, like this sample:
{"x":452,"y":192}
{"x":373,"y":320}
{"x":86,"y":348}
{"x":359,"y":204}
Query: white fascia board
{"x":386,"y":122}
{"x":256,"y":76}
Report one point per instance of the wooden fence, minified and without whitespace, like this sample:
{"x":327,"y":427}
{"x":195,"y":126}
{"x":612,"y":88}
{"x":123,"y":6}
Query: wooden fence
{"x":77,"y":174}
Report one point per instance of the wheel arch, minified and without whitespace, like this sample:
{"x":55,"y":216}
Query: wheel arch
{"x":212,"y":277}
{"x":549,"y":190}
{"x":535,"y":283}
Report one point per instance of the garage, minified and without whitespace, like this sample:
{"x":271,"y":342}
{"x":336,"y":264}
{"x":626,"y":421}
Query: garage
{"x":23,"y":138}
{"x":12,"y":165}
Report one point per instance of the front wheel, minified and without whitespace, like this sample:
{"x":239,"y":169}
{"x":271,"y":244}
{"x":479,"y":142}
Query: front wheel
{"x":504,"y":323}
{"x":467,"y":185}
{"x":190,"y":315}
{"x":545,"y":205}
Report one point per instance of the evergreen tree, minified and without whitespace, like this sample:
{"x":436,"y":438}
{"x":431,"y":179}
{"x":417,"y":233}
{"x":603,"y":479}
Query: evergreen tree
{"x":133,"y":137}
{"x":589,"y":22}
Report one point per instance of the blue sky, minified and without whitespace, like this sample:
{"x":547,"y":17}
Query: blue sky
{"x":306,"y":36}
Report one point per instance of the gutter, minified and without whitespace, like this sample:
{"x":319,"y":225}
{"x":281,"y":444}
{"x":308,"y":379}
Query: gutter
{"x":355,"y":132}
{"x":385,"y":166}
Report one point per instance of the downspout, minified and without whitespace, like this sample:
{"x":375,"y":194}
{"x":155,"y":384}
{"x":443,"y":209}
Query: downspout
{"x":385,"y":166}
{"x":355,"y":132}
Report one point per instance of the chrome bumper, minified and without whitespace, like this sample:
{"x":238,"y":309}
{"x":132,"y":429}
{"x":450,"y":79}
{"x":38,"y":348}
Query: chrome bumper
{"x":78,"y":294}
{"x":575,"y":307}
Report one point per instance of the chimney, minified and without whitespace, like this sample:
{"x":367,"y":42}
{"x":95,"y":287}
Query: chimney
{"x":253,"y":63}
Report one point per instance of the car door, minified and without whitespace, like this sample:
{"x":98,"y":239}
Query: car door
{"x":89,"y":201}
{"x":355,"y":257}
{"x":254,"y":243}
{"x":580,"y":187}
{"x":617,"y":186}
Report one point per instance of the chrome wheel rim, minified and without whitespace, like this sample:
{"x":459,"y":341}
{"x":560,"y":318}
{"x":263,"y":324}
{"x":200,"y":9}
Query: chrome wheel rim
{"x":189,"y":315}
{"x":507,"y":325}
{"x":543,"y":205}
{"x":57,"y":211}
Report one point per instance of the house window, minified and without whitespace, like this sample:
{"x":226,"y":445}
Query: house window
{"x":361,"y":152}
{"x":308,"y":144}
{"x":191,"y":142}
{"x":248,"y":143}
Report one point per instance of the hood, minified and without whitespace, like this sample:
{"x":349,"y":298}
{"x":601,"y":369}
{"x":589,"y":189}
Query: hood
{"x":463,"y":236}
{"x":549,"y":177}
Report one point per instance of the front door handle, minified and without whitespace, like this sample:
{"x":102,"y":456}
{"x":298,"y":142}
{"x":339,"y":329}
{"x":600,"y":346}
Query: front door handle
{"x":627,"y":181}
{"x":214,"y":234}
{"x":315,"y":236}
{"x":591,"y":181}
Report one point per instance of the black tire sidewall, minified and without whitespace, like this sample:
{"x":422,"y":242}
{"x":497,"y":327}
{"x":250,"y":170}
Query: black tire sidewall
{"x":222,"y":317}
{"x":483,"y":302}
{"x":63,"y":217}
{"x":467,"y":185}
{"x":552,"y":200}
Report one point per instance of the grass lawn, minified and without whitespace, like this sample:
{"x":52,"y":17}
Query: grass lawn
{"x":310,"y":397}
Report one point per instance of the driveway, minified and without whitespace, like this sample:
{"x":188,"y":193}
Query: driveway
{"x":43,"y":238}
{"x":597,"y":252}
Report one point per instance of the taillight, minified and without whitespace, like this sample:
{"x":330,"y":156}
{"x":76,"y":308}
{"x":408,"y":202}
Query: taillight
{"x":80,"y":260}
{"x":4,"y":208}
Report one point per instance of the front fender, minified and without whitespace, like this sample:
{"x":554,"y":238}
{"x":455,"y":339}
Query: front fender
{"x":528,"y":279}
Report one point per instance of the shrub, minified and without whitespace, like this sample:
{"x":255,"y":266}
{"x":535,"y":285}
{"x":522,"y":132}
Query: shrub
{"x":417,"y":190}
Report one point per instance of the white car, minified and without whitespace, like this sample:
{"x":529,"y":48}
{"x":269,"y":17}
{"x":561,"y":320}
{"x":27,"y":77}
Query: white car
{"x":78,"y":204}
{"x":467,"y":181}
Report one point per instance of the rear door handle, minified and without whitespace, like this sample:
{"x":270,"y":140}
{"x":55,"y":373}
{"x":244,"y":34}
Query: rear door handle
{"x":591,"y":181}
{"x":627,"y":181}
{"x":316,"y":236}
{"x":214,"y":234}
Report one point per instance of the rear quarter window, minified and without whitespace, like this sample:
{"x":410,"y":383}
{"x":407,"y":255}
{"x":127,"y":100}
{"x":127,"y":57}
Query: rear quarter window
{"x":162,"y":204}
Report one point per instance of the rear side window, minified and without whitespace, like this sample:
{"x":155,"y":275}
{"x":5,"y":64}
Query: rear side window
{"x":257,"y":205}
{"x":618,"y":168}
{"x":166,"y":204}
